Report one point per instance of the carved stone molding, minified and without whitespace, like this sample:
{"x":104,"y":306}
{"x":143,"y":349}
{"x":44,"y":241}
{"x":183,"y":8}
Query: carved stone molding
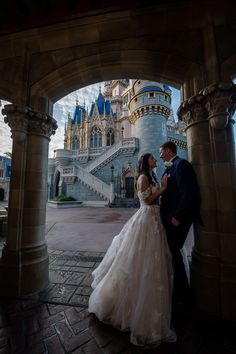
{"x":220,"y":103}
{"x":22,"y":121}
{"x":192,"y":110}
{"x":41,"y":124}
{"x":215,"y":103}
{"x":155,"y":109}
{"x":16,"y":118}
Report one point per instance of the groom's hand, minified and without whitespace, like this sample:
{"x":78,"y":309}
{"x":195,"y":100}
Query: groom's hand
{"x":174,"y":221}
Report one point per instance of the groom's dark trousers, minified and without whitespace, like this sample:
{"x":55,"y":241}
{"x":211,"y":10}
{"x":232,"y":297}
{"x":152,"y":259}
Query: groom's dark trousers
{"x":180,"y":200}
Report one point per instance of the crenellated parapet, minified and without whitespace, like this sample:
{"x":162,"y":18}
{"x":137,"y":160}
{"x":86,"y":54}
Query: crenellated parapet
{"x":179,"y":143}
{"x":154,"y":109}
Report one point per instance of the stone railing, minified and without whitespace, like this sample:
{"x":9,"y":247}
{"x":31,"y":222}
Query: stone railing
{"x":70,"y":173}
{"x":62,"y":156}
{"x":100,"y":156}
{"x":125,"y":146}
{"x":84,"y":155}
{"x":94,"y":183}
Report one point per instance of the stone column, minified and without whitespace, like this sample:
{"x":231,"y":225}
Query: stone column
{"x":211,"y":148}
{"x":24,"y":263}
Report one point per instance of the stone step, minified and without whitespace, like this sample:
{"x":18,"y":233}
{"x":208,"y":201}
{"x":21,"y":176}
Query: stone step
{"x":124,"y":203}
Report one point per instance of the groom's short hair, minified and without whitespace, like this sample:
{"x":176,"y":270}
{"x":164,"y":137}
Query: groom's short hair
{"x":170,"y":145}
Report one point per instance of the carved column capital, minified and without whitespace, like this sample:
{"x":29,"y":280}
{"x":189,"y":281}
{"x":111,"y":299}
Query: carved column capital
{"x":192,"y":110}
{"x":41,"y":124}
{"x":216,"y":103}
{"x":220,"y":103}
{"x":17,"y":119}
{"x":22,"y":121}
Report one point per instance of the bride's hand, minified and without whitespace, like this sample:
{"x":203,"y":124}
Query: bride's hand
{"x":164,"y":182}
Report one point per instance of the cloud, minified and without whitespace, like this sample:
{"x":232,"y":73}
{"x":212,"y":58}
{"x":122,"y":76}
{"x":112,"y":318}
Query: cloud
{"x":67,"y":105}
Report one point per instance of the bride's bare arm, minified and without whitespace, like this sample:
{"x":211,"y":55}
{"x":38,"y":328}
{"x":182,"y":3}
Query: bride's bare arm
{"x":143,"y":184}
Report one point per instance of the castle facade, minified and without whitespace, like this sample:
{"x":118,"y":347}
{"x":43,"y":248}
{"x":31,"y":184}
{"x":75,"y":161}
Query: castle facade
{"x":102,"y":144}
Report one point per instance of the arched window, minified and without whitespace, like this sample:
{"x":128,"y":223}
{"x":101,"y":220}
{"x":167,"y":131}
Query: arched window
{"x":95,"y":137}
{"x":110,"y":138}
{"x":75,"y":144}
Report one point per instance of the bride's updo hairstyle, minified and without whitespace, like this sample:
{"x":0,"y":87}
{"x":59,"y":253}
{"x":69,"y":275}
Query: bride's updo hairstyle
{"x":143,"y":168}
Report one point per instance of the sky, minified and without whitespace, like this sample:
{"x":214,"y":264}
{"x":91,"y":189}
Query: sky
{"x":60,"y":112}
{"x":61,"y":109}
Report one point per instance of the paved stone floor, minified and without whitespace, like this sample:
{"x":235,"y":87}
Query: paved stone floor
{"x":56,"y":320}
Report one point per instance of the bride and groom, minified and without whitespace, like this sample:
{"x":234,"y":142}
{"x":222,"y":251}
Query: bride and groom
{"x":143,"y":271}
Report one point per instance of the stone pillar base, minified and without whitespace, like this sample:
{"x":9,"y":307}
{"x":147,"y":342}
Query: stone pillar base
{"x":228,"y":291}
{"x":24,"y":272}
{"x":214,"y":287}
{"x":205,"y":284}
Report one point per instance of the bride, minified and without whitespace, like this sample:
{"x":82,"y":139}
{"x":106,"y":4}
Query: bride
{"x":133,"y":284}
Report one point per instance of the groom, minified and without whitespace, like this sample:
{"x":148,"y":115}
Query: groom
{"x":180,"y":204}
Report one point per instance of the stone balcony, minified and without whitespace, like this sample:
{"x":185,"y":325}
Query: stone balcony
{"x":62,"y":157}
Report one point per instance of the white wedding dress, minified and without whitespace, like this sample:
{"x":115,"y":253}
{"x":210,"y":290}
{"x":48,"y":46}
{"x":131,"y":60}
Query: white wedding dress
{"x":133,"y":284}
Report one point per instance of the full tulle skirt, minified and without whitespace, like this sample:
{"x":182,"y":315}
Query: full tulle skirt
{"x":134,"y":282}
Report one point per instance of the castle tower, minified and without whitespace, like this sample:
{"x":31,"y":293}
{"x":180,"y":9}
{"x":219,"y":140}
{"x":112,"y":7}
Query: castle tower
{"x":107,"y":91}
{"x":118,"y":86}
{"x":150,"y":108}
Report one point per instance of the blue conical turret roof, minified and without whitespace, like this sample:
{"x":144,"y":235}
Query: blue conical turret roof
{"x":79,"y":113}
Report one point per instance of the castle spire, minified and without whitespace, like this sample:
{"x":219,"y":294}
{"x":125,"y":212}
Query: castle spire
{"x":69,"y":117}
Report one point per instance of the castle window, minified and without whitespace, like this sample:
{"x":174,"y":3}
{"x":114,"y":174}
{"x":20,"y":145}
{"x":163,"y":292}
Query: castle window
{"x":95,"y":137}
{"x":110,"y":138}
{"x":139,"y":82}
{"x":1,"y":173}
{"x":125,"y":99}
{"x":75,"y":144}
{"x":135,"y":100}
{"x":151,"y":95}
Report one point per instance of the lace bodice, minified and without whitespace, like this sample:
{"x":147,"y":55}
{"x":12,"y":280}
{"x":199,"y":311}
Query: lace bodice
{"x":143,"y":195}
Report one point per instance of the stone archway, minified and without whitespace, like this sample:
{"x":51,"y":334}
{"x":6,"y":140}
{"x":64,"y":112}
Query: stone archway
{"x":125,"y":41}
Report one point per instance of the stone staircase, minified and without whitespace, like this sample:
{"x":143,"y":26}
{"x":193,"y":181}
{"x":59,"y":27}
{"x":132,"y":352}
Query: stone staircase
{"x":85,"y":174}
{"x":69,"y":173}
{"x":125,"y":146}
{"x":124,"y":203}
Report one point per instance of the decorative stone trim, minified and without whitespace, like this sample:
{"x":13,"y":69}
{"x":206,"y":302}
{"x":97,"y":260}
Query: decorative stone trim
{"x":68,"y":171}
{"x":155,"y":109}
{"x":215,"y":103}
{"x":69,"y":179}
{"x":16,"y":118}
{"x":181,"y":144}
{"x":22,"y":120}
{"x":41,"y":124}
{"x":221,"y":104}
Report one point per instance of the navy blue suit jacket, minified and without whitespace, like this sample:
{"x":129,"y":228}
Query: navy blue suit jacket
{"x":181,"y":199}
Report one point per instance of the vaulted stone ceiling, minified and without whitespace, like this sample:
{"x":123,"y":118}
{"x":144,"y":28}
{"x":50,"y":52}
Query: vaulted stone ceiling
{"x":50,"y":50}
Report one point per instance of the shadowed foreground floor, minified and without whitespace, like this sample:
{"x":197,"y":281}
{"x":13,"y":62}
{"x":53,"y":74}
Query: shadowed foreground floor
{"x":57,"y":321}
